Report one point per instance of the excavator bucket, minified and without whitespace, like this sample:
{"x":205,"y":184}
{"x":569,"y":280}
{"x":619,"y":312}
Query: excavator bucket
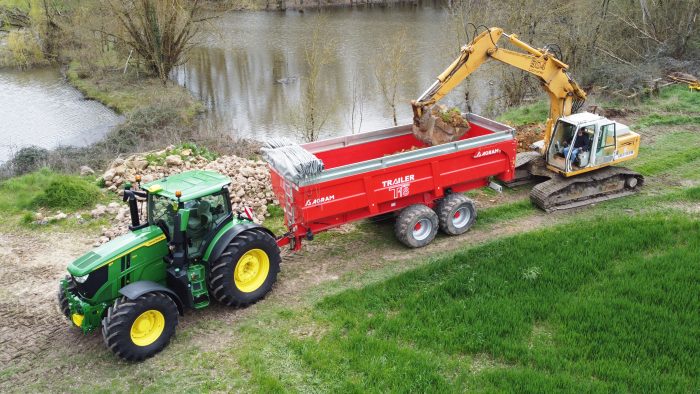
{"x":434,"y":131}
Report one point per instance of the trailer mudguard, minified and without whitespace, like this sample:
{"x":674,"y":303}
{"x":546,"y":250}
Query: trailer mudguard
{"x":214,"y":251}
{"x":135,"y":290}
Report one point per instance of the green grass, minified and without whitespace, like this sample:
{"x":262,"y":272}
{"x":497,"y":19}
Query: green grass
{"x":672,"y":119}
{"x":47,"y":189}
{"x":528,"y":114}
{"x":693,"y":193}
{"x":670,"y":151}
{"x":603,"y":306}
{"x":505,"y":212}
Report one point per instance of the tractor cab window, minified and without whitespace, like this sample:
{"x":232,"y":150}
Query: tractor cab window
{"x":161,"y":212}
{"x":206,"y":214}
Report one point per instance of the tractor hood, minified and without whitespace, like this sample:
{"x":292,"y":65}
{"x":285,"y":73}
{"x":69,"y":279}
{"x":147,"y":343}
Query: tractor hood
{"x":115,"y":249}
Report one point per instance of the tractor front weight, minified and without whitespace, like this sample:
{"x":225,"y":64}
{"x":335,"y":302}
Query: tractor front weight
{"x":84,"y":315}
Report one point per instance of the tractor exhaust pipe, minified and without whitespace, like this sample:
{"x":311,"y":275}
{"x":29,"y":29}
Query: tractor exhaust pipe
{"x":130,"y":197}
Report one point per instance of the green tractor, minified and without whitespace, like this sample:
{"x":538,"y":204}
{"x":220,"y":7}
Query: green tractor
{"x":190,"y":249}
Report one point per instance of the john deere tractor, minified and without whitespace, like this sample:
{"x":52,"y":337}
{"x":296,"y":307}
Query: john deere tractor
{"x":191,"y":249}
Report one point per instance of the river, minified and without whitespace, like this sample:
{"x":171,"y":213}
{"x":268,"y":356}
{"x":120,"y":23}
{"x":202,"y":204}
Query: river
{"x":38,"y":107}
{"x":249,"y":68}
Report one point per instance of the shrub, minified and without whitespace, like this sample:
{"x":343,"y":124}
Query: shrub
{"x":24,"y":48}
{"x":29,"y":159}
{"x":68,"y":193}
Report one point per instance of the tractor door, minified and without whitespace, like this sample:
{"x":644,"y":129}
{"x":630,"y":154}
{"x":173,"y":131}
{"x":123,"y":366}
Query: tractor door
{"x":606,"y":140}
{"x":206,"y":216}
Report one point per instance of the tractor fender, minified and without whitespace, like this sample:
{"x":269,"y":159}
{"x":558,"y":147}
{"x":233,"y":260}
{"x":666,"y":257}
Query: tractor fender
{"x":135,"y":290}
{"x":229,"y":235}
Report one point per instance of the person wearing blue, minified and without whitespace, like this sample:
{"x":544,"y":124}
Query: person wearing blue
{"x":580,"y":143}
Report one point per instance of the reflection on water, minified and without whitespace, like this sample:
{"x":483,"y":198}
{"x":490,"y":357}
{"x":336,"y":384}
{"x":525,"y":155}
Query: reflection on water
{"x":249,"y":67}
{"x":38,"y":108}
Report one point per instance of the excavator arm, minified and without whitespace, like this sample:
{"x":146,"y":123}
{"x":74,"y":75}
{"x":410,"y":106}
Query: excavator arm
{"x":563,"y":91}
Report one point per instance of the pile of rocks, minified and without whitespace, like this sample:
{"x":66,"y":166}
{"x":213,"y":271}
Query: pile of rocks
{"x":250,"y":187}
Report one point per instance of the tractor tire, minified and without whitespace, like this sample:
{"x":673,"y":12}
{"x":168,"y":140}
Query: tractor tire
{"x":62,"y":300}
{"x":247,"y":269}
{"x":416,"y":226}
{"x":138,"y":329}
{"x":456,"y":214}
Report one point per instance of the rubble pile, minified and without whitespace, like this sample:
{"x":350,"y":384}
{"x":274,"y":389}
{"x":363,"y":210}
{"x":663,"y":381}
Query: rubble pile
{"x":250,"y":182}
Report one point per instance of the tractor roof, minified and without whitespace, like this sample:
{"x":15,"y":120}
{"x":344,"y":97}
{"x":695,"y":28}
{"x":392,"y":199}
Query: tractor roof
{"x":193,"y":184}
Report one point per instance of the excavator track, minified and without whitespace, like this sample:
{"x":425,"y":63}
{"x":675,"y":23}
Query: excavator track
{"x":608,"y":183}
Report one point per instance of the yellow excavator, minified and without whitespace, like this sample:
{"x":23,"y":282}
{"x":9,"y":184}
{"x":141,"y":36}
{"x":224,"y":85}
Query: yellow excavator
{"x":578,"y":150}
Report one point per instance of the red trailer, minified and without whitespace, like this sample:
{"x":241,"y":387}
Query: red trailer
{"x":384,"y":171}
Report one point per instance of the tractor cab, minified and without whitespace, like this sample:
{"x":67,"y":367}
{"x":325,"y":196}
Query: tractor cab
{"x":202,"y":209}
{"x":583,"y":141}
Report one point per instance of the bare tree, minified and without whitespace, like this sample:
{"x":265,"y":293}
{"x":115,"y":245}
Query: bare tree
{"x":357,"y":104}
{"x":160,"y":31}
{"x":390,"y":67}
{"x":318,"y":54}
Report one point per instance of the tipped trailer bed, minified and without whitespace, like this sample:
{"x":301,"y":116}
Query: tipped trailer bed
{"x":384,"y":171}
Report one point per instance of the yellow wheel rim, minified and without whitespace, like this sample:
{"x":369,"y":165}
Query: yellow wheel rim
{"x":251,"y":270}
{"x":147,"y":328}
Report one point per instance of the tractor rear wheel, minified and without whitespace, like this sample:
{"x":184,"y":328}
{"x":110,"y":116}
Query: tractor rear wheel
{"x":138,"y":329}
{"x":456,"y":213}
{"x":62,"y":300}
{"x":416,"y":226}
{"x":247,"y":269}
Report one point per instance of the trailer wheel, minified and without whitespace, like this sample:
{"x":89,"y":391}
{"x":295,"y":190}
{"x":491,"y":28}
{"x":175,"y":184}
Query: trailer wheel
{"x":416,"y":226}
{"x":246,"y":270}
{"x":456,"y":213}
{"x":138,"y":329}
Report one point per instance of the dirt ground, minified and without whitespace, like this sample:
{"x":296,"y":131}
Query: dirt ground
{"x":32,"y":327}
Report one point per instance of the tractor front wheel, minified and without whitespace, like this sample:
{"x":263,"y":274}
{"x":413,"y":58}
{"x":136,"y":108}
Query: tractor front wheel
{"x":137,"y":329}
{"x":247,"y":269}
{"x":63,"y":304}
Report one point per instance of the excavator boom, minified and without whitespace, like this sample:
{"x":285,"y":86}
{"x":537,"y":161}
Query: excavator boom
{"x":562,"y":90}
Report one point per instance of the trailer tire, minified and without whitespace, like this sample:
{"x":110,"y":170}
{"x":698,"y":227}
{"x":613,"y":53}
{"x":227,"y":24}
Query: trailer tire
{"x":456,"y":214}
{"x":416,"y":226}
{"x":63,"y":304}
{"x":231,"y":281}
{"x":138,"y":329}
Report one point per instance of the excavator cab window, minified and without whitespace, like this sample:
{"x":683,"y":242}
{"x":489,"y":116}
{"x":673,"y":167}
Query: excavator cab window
{"x":562,"y":137}
{"x":605,"y":147}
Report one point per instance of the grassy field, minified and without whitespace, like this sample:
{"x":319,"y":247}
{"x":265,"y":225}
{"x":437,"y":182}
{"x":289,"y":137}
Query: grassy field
{"x":601,"y":306}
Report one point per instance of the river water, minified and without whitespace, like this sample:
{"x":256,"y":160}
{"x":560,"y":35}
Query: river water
{"x":38,"y":107}
{"x":249,"y":68}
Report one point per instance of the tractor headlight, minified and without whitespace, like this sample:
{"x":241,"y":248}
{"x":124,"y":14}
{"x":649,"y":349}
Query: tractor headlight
{"x":81,"y":279}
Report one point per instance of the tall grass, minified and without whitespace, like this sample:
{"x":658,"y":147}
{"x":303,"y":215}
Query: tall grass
{"x":47,"y":189}
{"x":601,"y":306}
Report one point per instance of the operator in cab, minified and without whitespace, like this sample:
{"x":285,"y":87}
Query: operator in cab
{"x":581,"y":142}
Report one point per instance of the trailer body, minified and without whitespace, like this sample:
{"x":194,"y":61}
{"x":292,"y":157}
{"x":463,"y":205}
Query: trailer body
{"x":379,"y":172}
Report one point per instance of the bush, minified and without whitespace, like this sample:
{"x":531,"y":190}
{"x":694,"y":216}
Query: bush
{"x":29,"y":159}
{"x":68,"y":193}
{"x":45,"y":188}
{"x":25,"y":50}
